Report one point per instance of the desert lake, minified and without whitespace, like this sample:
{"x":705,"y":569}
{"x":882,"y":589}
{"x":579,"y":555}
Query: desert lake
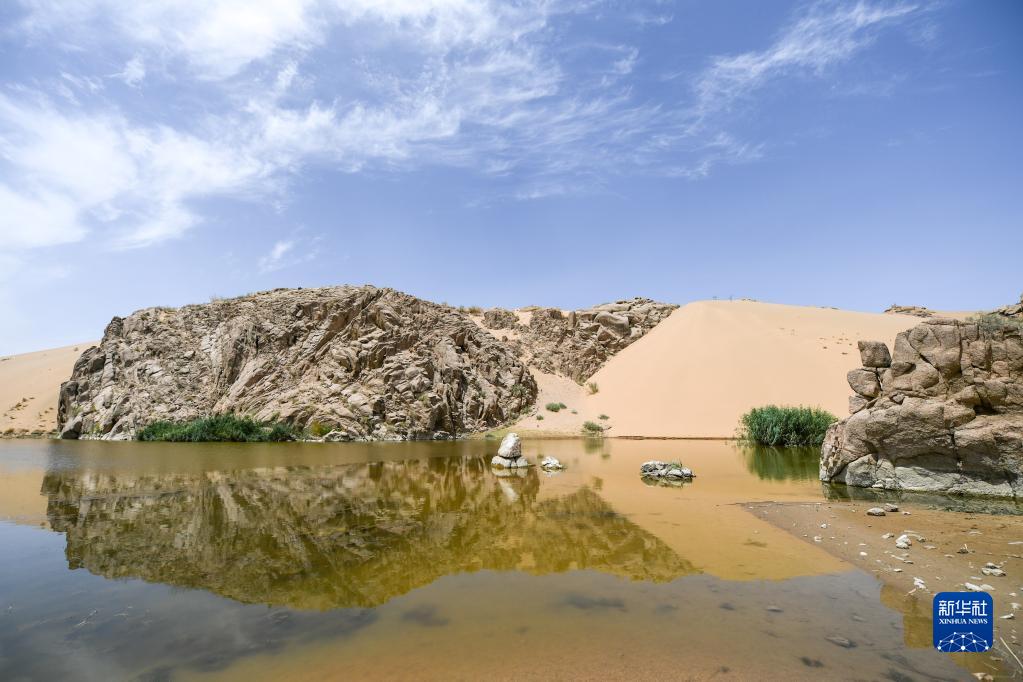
{"x":417,"y":560}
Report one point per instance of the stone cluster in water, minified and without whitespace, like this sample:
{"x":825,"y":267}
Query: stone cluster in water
{"x":671,"y":473}
{"x":509,"y":455}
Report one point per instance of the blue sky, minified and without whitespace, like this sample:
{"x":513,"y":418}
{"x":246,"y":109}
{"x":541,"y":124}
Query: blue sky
{"x":559,"y":152}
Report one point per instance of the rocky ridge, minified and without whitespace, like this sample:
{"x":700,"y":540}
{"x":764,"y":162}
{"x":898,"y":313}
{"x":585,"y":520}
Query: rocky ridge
{"x":576,"y":344}
{"x":362,"y":362}
{"x":943,"y":412}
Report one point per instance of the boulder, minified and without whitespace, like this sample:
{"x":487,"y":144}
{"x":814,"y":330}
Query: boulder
{"x":874,"y":354}
{"x":946,"y":415}
{"x":509,"y":454}
{"x":551,"y":464}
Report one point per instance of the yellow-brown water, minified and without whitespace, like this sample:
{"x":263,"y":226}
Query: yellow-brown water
{"x":416,"y":560}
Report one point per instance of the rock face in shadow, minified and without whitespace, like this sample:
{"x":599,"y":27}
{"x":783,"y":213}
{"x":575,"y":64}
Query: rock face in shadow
{"x":944,"y":414}
{"x":578,"y":343}
{"x":365,"y":362}
{"x":340,"y":536}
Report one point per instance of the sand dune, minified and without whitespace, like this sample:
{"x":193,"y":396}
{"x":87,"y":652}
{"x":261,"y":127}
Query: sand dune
{"x":29,"y":384}
{"x":697,"y":372}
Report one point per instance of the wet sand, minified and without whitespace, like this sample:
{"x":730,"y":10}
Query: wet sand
{"x":954,"y":549}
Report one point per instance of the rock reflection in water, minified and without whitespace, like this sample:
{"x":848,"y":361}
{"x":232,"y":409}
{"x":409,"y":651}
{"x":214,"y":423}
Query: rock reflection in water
{"x":340,"y":536}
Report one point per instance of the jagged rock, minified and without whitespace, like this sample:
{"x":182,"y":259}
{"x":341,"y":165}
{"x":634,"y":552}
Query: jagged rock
{"x":948,"y":415}
{"x":499,"y":318}
{"x":371,"y":363}
{"x":875,"y":511}
{"x":576,"y":345}
{"x":916,"y":310}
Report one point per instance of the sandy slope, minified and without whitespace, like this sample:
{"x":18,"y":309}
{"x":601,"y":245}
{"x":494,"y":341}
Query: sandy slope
{"x":695,"y":373}
{"x":29,"y":384}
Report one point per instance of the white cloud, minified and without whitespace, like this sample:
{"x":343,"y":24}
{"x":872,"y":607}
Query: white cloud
{"x":480,"y":84}
{"x":826,"y":35}
{"x":273,"y":260}
{"x":134,"y":72}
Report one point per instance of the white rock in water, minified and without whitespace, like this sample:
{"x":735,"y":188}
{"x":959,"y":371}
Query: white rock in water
{"x":551,"y":464}
{"x":652,"y":466}
{"x":511,"y":447}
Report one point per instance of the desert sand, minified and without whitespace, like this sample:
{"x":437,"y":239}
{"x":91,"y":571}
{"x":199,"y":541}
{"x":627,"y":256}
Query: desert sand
{"x":697,"y":372}
{"x":29,"y":385}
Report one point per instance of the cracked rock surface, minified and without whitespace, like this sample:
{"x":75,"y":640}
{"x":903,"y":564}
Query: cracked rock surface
{"x":361,"y":362}
{"x":944,"y":414}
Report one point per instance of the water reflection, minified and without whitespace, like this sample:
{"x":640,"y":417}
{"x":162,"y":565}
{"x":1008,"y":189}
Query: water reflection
{"x":782,"y":464}
{"x":340,"y":536}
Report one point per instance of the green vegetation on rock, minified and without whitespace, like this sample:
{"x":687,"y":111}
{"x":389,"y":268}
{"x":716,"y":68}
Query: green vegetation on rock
{"x":785,"y":426}
{"x":225,"y":427}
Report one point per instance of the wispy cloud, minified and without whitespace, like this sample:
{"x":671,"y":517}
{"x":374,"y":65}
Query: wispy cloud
{"x":826,"y":35}
{"x":263,"y":90}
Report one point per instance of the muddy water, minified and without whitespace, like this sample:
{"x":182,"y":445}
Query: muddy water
{"x":414,"y":560}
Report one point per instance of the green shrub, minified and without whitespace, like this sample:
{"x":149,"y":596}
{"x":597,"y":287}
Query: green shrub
{"x":604,"y":417}
{"x":592,"y":387}
{"x":554,"y":407}
{"x":785,"y":426}
{"x":539,"y":417}
{"x":319,"y":429}
{"x":593,"y":428}
{"x":225,"y":427}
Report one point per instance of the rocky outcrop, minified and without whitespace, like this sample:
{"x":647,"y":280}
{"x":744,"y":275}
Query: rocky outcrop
{"x":915,"y":310}
{"x":943,"y":413}
{"x":578,"y":343}
{"x":1014,"y":311}
{"x":499,"y":318}
{"x":361,"y":362}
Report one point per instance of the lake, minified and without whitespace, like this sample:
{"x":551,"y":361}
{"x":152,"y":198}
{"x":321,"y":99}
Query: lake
{"x":161,"y":561}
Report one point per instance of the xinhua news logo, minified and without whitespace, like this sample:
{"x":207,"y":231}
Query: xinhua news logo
{"x":963,"y":622}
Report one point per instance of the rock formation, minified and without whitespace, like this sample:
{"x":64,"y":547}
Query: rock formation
{"x":576,"y":344}
{"x":916,"y":310}
{"x":509,"y":455}
{"x":943,"y":412}
{"x":363,"y":362}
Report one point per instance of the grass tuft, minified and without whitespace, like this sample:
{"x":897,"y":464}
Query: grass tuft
{"x":555,"y":407}
{"x":785,"y":426}
{"x":219,"y":428}
{"x":592,"y":428}
{"x":592,"y":387}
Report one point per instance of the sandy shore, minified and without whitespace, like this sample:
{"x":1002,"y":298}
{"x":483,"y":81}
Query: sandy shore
{"x":955,"y":546}
{"x":29,"y":386}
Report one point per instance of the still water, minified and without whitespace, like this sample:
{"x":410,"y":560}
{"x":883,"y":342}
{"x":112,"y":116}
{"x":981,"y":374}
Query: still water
{"x":415,"y":560}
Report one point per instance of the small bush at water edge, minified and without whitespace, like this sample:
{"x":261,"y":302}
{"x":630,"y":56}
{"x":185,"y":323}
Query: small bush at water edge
{"x":593,"y":428}
{"x":225,"y":427}
{"x":785,"y":426}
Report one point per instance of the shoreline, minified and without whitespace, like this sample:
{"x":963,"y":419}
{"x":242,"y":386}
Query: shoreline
{"x":949,"y":549}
